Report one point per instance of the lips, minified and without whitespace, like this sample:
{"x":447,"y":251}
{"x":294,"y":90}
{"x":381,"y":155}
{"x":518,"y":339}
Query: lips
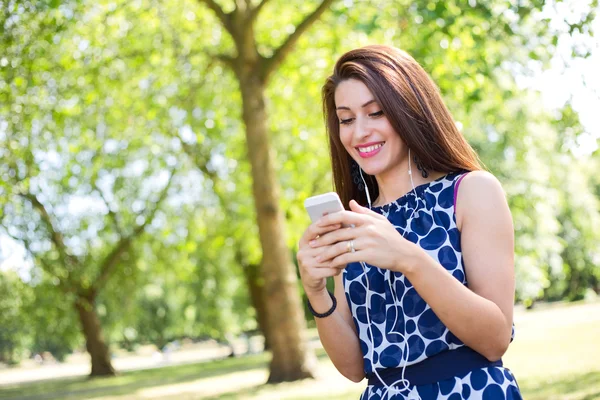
{"x":369,"y":149}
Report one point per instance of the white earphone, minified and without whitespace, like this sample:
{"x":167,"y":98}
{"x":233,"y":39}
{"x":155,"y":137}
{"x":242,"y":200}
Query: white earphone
{"x":402,"y":381}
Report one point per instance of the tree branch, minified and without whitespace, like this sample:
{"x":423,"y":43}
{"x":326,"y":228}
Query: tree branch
{"x":110,"y":262}
{"x":152,"y":213}
{"x":112,"y":214}
{"x":200,"y":161}
{"x":66,"y":289}
{"x":270,"y":64}
{"x":201,"y":164}
{"x":213,"y":57}
{"x":242,"y":6}
{"x":55,"y":236}
{"x":112,"y":259}
{"x":220,"y":57}
{"x":256,"y":10}
{"x":223,"y":17}
{"x":225,"y":59}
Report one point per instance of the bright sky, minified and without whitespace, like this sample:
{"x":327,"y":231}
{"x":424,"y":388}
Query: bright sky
{"x":12,"y":256}
{"x":576,"y":80}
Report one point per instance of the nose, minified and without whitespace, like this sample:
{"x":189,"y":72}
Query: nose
{"x":362,"y":128}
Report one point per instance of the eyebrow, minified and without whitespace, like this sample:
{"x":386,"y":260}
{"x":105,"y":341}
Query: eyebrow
{"x":363,"y":106}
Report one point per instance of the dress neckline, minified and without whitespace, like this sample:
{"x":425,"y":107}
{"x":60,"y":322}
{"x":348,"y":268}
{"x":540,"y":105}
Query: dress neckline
{"x":418,"y":189}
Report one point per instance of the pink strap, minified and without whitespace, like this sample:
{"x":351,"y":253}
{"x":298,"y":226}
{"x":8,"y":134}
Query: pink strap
{"x":456,"y":187}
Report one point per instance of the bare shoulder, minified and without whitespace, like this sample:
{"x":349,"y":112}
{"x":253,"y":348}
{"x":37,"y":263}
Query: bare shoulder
{"x":480,"y":184}
{"x":479,"y":193}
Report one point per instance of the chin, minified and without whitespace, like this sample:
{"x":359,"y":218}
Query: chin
{"x":372,"y":170}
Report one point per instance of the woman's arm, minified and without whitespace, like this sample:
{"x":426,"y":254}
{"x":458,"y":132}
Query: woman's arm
{"x":482,"y":314}
{"x":338,"y":333}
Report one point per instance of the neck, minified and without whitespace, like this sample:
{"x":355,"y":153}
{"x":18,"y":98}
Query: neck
{"x":396,"y":183}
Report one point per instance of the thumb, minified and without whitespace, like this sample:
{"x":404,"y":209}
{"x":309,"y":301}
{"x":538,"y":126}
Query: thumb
{"x":357,"y":208}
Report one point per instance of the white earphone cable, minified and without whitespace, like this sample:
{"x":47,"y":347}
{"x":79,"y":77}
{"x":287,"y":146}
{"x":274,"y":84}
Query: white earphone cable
{"x":405,"y":384}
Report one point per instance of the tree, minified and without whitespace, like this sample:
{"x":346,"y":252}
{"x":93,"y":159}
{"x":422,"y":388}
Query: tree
{"x":100,"y":100}
{"x":253,"y":70}
{"x":66,"y":189}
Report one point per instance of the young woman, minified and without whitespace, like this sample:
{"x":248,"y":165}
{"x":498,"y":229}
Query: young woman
{"x":424,"y":281}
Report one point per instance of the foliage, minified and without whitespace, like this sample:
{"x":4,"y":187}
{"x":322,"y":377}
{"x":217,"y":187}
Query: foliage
{"x":14,"y":332}
{"x":101,"y":103}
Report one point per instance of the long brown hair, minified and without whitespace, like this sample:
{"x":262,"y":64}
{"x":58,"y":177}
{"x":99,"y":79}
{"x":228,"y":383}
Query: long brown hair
{"x":412,"y":104}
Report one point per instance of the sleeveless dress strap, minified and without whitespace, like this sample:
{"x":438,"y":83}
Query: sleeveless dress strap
{"x":456,"y":186}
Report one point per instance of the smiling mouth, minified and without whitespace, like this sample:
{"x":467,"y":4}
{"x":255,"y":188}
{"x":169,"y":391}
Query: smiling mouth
{"x":368,"y":150}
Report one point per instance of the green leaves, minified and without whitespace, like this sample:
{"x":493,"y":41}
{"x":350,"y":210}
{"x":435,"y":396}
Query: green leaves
{"x":100,"y":103}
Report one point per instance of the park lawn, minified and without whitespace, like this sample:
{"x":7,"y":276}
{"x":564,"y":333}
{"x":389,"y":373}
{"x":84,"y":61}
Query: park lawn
{"x":555,"y":355}
{"x":128,"y":383}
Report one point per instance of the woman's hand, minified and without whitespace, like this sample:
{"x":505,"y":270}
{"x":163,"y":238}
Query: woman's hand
{"x":373,"y":237}
{"x":313,"y":273}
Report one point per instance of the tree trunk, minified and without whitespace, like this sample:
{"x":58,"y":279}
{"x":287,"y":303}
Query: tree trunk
{"x":94,"y":340}
{"x":291,"y":359}
{"x":256,"y":289}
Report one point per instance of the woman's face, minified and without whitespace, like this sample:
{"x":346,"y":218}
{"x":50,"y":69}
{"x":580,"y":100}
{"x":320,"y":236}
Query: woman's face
{"x":365,"y":131}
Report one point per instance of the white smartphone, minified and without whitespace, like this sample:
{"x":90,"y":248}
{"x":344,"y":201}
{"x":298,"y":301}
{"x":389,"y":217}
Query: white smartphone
{"x":323,"y":204}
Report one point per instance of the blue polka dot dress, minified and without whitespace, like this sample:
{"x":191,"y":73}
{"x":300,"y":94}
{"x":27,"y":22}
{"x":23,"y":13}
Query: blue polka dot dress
{"x":404,"y":330}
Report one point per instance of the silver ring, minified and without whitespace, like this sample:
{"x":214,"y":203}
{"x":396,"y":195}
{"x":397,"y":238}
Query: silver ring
{"x":350,"y":246}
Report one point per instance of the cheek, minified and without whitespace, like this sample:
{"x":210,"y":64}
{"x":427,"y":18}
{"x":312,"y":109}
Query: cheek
{"x":386,"y":126}
{"x":346,"y":136}
{"x":388,"y":132}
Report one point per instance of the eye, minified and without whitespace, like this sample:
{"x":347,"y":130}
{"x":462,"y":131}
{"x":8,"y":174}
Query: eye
{"x":376,"y":114}
{"x":346,"y":121}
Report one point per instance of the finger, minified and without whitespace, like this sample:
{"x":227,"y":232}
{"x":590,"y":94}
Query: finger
{"x":329,"y":272}
{"x":339,"y":235}
{"x":347,"y":258}
{"x":314,"y":230}
{"x":357,"y":208}
{"x":309,"y":259}
{"x":347,"y":218}
{"x":325,"y":273}
{"x":330,"y":253}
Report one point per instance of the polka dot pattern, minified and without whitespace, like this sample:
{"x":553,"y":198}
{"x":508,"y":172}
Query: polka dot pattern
{"x":457,"y":388}
{"x":396,"y":327}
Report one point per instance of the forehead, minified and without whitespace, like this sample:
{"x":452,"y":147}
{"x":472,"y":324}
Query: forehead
{"x":352,"y":93}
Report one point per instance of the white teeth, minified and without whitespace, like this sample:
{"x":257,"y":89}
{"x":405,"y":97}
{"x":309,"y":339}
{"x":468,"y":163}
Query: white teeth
{"x":370,"y":148}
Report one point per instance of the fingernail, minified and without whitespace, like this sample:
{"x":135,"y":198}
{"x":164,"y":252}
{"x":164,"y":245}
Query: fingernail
{"x":312,"y":243}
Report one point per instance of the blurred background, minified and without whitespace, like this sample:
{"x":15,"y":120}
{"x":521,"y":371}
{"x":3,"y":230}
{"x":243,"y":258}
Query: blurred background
{"x":155,"y":156}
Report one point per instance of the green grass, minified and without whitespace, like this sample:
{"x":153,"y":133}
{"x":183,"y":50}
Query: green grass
{"x":555,"y":356}
{"x":583,"y":386}
{"x":130,"y":382}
